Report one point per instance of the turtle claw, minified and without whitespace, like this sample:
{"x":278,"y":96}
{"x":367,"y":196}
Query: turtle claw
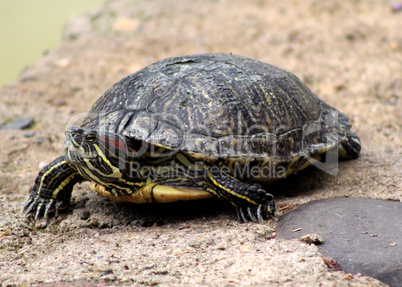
{"x":49,"y":207}
{"x":38,"y":211}
{"x":240,"y":215}
{"x":41,"y":207}
{"x":249,"y":213}
{"x":256,"y":213}
{"x":28,"y":207}
{"x":58,"y":206}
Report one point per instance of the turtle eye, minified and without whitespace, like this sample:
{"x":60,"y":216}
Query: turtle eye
{"x":90,"y":137}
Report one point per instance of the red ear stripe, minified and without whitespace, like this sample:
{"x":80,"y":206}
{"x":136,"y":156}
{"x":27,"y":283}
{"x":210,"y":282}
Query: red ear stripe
{"x":115,"y":142}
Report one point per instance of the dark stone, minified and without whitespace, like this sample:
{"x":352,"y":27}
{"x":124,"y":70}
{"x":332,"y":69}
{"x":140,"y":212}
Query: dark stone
{"x":85,"y":215}
{"x":107,"y":272}
{"x":363,"y":235}
{"x":19,"y":124}
{"x":29,"y":134}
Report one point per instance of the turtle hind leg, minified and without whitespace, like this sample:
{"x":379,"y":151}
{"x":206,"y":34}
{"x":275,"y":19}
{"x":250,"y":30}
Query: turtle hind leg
{"x":256,"y":213}
{"x":253,"y":203}
{"x":349,"y":147}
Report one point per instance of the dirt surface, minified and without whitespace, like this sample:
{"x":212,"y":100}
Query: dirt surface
{"x":348,"y":52}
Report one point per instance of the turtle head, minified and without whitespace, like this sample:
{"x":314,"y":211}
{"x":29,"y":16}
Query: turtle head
{"x":80,"y":144}
{"x":99,"y":156}
{"x":95,"y":150}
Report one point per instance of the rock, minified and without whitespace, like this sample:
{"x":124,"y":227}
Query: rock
{"x":331,"y":264}
{"x":312,"y":239}
{"x":125,"y":24}
{"x":85,"y":215}
{"x":362,"y":235}
{"x":29,"y":134}
{"x":19,"y":124}
{"x":396,"y":7}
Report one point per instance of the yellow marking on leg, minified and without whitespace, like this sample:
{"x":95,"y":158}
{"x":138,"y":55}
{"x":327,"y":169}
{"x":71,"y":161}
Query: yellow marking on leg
{"x":63,"y":184}
{"x":47,"y":173}
{"x":230,"y":191}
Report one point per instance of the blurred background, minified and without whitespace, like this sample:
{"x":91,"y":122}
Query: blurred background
{"x":30,"y":28}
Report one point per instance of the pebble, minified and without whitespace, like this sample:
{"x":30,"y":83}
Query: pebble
{"x":85,"y":215}
{"x":125,"y":24}
{"x":29,"y":134}
{"x":396,"y":7}
{"x":362,"y":235}
{"x":312,"y":239}
{"x":18,"y":124}
{"x":39,"y":140}
{"x":42,"y":164}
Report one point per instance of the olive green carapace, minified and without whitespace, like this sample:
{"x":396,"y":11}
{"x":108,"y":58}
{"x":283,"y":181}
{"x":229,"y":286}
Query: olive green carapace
{"x":190,"y":126}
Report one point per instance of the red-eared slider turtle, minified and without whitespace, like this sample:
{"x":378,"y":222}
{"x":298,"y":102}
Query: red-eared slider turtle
{"x":195,"y":126}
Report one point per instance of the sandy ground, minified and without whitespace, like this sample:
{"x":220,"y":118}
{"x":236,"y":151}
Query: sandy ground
{"x":348,"y":52}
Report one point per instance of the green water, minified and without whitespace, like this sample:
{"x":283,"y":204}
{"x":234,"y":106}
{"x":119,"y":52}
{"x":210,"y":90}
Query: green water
{"x":28,"y":28}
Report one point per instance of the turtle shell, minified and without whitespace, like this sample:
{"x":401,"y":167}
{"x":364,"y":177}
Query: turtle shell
{"x":220,"y":107}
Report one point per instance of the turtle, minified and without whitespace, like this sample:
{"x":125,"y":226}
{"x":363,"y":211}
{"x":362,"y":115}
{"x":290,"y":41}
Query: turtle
{"x":193,"y":127}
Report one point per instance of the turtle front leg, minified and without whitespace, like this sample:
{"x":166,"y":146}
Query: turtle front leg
{"x":52,"y":189}
{"x":252,"y":201}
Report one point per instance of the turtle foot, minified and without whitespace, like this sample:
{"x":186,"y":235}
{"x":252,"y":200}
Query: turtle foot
{"x":256,"y":213}
{"x":42,"y":207}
